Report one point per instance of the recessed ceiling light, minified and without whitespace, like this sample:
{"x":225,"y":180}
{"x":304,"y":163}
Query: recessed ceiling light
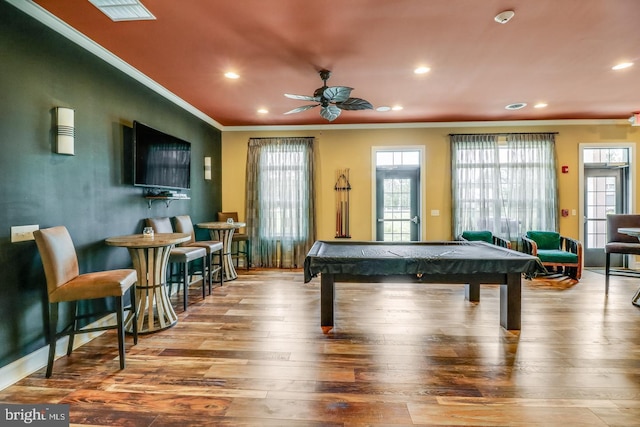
{"x":504,"y":17}
{"x":622,"y":66}
{"x":263,"y":111}
{"x":422,"y":70}
{"x":231,"y":75}
{"x":383,"y":108}
{"x":123,"y":10}
{"x":540,"y":105}
{"x":516,"y":106}
{"x":397,"y":108}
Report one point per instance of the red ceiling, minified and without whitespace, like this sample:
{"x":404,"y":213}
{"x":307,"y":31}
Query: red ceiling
{"x":554,"y":51}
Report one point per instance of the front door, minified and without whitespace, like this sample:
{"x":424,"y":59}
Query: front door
{"x":604,"y":191}
{"x":397,"y":203}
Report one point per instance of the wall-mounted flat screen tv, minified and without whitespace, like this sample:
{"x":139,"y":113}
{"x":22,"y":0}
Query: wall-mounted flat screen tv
{"x":160,"y":160}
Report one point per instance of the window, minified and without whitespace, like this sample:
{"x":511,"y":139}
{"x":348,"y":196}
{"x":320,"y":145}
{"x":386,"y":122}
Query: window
{"x":280,"y":204}
{"x":506,"y":185}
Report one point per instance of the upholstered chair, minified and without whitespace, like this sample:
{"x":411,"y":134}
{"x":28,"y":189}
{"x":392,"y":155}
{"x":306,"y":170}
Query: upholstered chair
{"x":182,"y":256}
{"x":241,"y":244}
{"x":484,"y":236}
{"x":214,"y":248}
{"x":619,"y":243}
{"x":556,"y":251}
{"x":65,"y":284}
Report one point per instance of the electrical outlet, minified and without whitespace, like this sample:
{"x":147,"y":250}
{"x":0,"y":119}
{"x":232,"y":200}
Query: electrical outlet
{"x":22,"y":233}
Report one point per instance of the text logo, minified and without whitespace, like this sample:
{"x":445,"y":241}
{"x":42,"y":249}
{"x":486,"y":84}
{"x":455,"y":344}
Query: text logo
{"x":34,"y":415}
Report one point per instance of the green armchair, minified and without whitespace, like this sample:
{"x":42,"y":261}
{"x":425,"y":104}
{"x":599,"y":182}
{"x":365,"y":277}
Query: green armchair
{"x":556,"y":251}
{"x":484,"y":236}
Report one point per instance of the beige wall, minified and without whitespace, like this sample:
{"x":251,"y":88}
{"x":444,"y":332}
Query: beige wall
{"x":339,"y":149}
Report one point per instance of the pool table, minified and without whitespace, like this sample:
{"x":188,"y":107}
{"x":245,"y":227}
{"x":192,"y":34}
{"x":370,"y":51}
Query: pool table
{"x":469,"y":263}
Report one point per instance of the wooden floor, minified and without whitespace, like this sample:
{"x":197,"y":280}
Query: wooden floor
{"x":253,"y":354}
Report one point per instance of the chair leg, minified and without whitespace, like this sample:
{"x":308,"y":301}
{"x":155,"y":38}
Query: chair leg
{"x":134,"y":314}
{"x":120,"y":321}
{"x":219,"y":265}
{"x":169,"y":280}
{"x":607,"y":265}
{"x":247,"y":255}
{"x":185,"y":285}
{"x":209,"y":260}
{"x":74,"y":325}
{"x":53,"y":324}
{"x":235,"y":254}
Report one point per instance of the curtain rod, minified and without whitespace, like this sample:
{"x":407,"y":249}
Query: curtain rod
{"x":504,"y":133}
{"x":283,"y":137}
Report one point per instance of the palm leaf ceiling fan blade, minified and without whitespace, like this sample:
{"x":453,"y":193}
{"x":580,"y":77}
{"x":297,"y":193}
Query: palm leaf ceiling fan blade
{"x":330,"y":112}
{"x":333,"y":99}
{"x":355,"y":104}
{"x":302,"y":97}
{"x":301,"y":109}
{"x":337,"y":93}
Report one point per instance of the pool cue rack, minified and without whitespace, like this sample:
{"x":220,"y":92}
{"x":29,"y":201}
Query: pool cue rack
{"x":342,"y":189}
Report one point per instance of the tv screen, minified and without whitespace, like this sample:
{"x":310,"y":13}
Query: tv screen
{"x":160,"y":160}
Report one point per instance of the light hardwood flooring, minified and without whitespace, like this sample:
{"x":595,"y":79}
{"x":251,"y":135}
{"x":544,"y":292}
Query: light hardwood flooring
{"x":253,"y":354}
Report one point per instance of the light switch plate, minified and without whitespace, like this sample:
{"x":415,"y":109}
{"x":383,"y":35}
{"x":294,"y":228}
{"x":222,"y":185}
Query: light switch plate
{"x":435,"y":212}
{"x":22,"y":233}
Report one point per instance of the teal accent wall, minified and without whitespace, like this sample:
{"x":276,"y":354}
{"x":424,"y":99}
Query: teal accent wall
{"x":90,"y":193}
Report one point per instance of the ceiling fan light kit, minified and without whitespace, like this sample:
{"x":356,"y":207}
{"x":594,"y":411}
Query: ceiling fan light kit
{"x":331,"y":99}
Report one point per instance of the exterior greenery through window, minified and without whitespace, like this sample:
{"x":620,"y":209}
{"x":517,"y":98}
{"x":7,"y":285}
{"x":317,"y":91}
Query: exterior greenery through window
{"x":280,"y":203}
{"x":504,"y":183}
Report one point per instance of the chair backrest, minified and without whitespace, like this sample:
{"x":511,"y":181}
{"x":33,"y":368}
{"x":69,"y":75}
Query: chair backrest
{"x":223,"y":216}
{"x":58,"y":256}
{"x":160,"y":225}
{"x":475,"y":236}
{"x":615,"y":221}
{"x":545,"y":239}
{"x":184,"y":225}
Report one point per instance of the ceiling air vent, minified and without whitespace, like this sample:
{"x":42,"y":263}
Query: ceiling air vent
{"x":516,"y":106}
{"x":123,"y":10}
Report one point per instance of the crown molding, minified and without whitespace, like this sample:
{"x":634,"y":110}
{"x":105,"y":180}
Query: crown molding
{"x":419,"y":125}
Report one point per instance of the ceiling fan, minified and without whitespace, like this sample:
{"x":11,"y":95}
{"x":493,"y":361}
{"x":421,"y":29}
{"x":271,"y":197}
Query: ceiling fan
{"x":332,"y":99}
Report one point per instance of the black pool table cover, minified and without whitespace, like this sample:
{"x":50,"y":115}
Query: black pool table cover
{"x":413,"y":258}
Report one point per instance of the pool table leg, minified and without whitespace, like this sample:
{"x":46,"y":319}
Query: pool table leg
{"x":327,"y":294}
{"x":511,"y":302}
{"x":472,"y":292}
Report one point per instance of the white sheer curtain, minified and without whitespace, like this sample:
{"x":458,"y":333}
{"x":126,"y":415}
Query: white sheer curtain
{"x":504,"y":183}
{"x":280,"y":200}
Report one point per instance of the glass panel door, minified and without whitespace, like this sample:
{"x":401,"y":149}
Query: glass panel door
{"x":603,"y":196}
{"x":397,"y":205}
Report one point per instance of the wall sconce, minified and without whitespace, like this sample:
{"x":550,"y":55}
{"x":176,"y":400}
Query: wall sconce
{"x":207,"y":168}
{"x":65,"y":131}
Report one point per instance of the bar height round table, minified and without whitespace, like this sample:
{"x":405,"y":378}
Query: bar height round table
{"x":150,"y":256}
{"x":632,"y":232}
{"x":223,"y":232}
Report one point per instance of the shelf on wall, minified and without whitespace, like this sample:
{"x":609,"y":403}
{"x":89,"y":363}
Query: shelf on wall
{"x":166,"y":199}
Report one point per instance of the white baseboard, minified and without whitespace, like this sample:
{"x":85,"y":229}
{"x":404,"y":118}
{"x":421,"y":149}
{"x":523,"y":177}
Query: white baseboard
{"x":27,"y":365}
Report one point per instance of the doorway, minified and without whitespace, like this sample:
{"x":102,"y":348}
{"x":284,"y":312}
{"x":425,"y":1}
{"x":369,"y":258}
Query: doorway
{"x":397,"y":195}
{"x":606,"y":190}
